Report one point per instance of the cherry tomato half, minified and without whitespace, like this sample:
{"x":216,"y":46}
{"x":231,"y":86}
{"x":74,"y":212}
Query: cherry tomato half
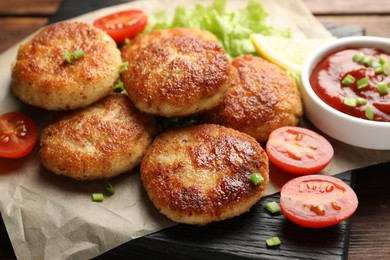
{"x":18,"y":135}
{"x":298,"y":150}
{"x":122,"y":25}
{"x":317,"y":200}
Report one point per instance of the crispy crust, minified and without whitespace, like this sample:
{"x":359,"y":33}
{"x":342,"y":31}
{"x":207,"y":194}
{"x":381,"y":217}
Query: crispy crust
{"x":200,"y":174}
{"x":261,"y":98}
{"x":175,"y":72}
{"x":42,"y":77}
{"x":100,"y":141}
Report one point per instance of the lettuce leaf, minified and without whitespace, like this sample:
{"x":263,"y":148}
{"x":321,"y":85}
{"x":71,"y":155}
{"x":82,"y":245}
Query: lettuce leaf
{"x":232,"y":29}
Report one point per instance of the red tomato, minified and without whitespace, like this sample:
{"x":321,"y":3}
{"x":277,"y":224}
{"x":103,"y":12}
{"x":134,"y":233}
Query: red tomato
{"x":298,"y":150}
{"x":18,"y":135}
{"x":317,"y":200}
{"x":122,"y":25}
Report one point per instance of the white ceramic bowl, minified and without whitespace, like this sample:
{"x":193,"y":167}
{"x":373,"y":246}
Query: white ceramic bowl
{"x":348,"y":129}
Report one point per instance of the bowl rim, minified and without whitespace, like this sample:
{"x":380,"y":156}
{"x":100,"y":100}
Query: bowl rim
{"x":312,"y":60}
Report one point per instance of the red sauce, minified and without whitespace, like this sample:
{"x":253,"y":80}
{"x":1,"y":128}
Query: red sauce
{"x":326,"y":80}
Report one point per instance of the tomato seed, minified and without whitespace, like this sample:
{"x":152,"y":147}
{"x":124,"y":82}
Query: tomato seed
{"x":335,"y":205}
{"x":298,"y":137}
{"x":329,"y":188}
{"x":317,"y":210}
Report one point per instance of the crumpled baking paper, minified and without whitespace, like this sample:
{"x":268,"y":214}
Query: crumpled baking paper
{"x":53,"y":217}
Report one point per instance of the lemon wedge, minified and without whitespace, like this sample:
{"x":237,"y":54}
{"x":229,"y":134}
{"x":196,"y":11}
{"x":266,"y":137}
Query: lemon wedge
{"x":288,"y":53}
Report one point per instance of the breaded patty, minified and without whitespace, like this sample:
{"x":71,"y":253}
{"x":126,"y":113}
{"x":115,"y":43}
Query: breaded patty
{"x":200,"y":174}
{"x":147,"y":38}
{"x":261,"y":98}
{"x":100,"y":141}
{"x":175,"y":72}
{"x":42,"y":77}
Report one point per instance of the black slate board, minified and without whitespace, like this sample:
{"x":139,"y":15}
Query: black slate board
{"x":239,"y":238}
{"x":242,"y":237}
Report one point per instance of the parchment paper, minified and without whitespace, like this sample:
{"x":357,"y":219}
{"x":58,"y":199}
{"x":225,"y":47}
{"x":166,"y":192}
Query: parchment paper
{"x":53,"y":217}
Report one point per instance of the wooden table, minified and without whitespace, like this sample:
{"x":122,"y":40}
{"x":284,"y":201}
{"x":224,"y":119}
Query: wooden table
{"x":370,"y":234}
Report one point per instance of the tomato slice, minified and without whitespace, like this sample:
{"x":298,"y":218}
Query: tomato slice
{"x":18,"y":135}
{"x":317,"y":201}
{"x":122,"y":25}
{"x":298,"y":150}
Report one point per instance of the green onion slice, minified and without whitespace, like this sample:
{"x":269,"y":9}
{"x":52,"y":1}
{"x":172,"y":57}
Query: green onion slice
{"x":386,"y":69}
{"x":383,"y":87}
{"x":378,"y":68}
{"x":369,"y":113}
{"x":256,"y":178}
{"x":350,"y":101}
{"x":361,"y":101}
{"x":68,"y":56}
{"x":273,"y":241}
{"x":123,"y":67}
{"x":97,"y":197}
{"x":127,"y":41}
{"x":358,"y":57}
{"x":77,"y":54}
{"x":382,"y":60}
{"x":348,"y":80}
{"x":119,"y":87}
{"x":109,"y":188}
{"x":362,"y":83}
{"x":273,"y":207}
{"x":367,"y":61}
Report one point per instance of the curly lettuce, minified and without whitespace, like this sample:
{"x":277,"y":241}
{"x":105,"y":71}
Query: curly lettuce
{"x":232,"y":29}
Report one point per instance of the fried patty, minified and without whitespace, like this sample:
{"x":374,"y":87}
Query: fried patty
{"x":200,"y":174}
{"x":175,"y":72}
{"x":100,"y":141}
{"x":261,"y":98}
{"x":42,"y":77}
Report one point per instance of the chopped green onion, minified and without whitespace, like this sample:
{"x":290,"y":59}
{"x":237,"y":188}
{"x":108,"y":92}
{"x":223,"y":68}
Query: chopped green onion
{"x":127,"y":41}
{"x":77,"y":54}
{"x":350,"y":101}
{"x":358,"y":57}
{"x":369,"y":113}
{"x":367,"y":61}
{"x":361,"y":101}
{"x":382,"y":61}
{"x":383,"y":87}
{"x":348,"y":80}
{"x":68,"y":56}
{"x":273,"y":207}
{"x":109,"y":188}
{"x":97,"y":197}
{"x":386,"y":69}
{"x":362,"y":83}
{"x":123,"y":67}
{"x":273,"y":241}
{"x":256,"y":178}
{"x":378,"y":68}
{"x":119,"y":87}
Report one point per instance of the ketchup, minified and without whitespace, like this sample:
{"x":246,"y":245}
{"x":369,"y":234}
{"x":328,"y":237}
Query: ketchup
{"x":369,"y":101}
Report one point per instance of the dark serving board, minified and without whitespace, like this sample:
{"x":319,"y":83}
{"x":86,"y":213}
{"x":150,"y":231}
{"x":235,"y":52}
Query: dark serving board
{"x":239,"y":238}
{"x":242,"y":237}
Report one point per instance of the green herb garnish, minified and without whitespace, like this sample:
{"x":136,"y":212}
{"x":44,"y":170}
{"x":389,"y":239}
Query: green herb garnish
{"x":273,"y":207}
{"x":256,"y":178}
